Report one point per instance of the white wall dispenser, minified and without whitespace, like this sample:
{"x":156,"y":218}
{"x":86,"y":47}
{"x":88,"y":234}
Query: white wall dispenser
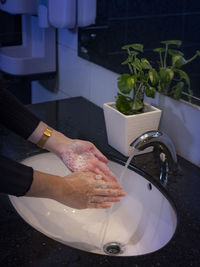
{"x":40,"y":19}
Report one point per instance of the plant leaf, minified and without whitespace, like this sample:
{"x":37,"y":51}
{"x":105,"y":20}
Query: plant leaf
{"x":172,"y":42}
{"x":175,"y":52}
{"x":198,"y":52}
{"x":137,"y":105}
{"x":136,"y":46}
{"x":125,"y":47}
{"x":150,"y":91}
{"x":137,"y":64}
{"x":178,"y":61}
{"x":166,"y":75}
{"x":153,"y":76}
{"x":183,"y":75}
{"x":190,"y":95}
{"x":159,"y":50}
{"x":128,"y":60}
{"x":160,"y":88}
{"x":123,"y":104}
{"x":130,"y":82}
{"x":135,"y":53}
{"x":126,"y":83}
{"x":145,"y":64}
{"x":177,"y":90}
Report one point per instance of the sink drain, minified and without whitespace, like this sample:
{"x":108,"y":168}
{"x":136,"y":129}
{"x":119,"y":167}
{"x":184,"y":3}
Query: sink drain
{"x":113,"y":248}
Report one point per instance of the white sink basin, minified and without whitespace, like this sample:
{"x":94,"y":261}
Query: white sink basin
{"x":142,"y":222}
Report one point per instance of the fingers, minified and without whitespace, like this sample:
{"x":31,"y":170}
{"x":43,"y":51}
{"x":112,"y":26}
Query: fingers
{"x":109,"y":177}
{"x":109,"y":192}
{"x":102,"y":164}
{"x":102,"y":202}
{"x":104,"y":177}
{"x":108,"y":174}
{"x":100,"y":199}
{"x":99,"y":155}
{"x":104,"y":193}
{"x":101,"y":169}
{"x":106,"y":185}
{"x":87,"y":158}
{"x":89,"y":192}
{"x":99,"y":205}
{"x":101,"y":175}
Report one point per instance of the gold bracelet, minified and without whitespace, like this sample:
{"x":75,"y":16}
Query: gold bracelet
{"x":46,"y":134}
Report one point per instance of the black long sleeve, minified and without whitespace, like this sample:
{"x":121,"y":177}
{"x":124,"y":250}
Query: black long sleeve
{"x":15,"y":178}
{"x":15,"y":116}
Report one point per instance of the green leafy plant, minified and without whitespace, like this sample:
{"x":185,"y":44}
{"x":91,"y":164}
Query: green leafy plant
{"x":139,"y":81}
{"x":171,"y":78}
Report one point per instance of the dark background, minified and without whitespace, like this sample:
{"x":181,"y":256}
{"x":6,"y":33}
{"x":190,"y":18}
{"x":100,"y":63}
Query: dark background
{"x":121,"y":22}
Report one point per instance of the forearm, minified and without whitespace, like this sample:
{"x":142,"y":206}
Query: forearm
{"x":78,"y":190}
{"x":45,"y":185}
{"x":15,"y":178}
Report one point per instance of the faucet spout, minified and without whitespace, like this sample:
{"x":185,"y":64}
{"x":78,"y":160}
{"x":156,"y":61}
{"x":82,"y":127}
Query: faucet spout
{"x":163,"y":146}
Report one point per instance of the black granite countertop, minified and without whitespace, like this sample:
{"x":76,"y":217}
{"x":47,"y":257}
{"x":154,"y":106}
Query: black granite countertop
{"x":21,"y":245}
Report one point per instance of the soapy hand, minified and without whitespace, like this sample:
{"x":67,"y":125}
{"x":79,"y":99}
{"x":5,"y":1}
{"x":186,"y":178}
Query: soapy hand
{"x":76,"y":154}
{"x":85,"y":190}
{"x":79,"y":190}
{"x":80,"y":155}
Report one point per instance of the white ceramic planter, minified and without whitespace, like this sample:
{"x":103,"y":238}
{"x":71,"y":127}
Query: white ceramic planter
{"x":122,"y":130}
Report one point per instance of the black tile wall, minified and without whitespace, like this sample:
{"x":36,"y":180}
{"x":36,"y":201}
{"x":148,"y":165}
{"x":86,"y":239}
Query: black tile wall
{"x":154,"y":7}
{"x":191,"y":28}
{"x":116,"y":40}
{"x":149,"y":31}
{"x":120,"y":22}
{"x":117,"y":8}
{"x":192,"y":6}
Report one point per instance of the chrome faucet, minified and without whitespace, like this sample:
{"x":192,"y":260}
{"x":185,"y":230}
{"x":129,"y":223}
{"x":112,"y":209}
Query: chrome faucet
{"x":164,"y":148}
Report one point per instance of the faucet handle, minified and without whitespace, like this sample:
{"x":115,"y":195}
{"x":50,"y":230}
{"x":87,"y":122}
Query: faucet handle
{"x":166,"y":165}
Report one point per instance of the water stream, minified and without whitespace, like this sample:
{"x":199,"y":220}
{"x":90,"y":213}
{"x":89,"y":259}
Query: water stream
{"x":111,"y":209}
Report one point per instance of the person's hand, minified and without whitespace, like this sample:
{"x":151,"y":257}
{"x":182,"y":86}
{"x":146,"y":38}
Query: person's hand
{"x":81,"y":155}
{"x":79,"y":190}
{"x":84,"y":190}
{"x":76,"y":154}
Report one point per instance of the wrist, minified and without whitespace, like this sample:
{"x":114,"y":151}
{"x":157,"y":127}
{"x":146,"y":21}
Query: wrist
{"x":57,"y":142}
{"x":38,"y":132}
{"x":54,"y":142}
{"x":45,"y":185}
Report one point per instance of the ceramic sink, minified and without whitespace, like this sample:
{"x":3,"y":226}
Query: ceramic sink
{"x":142,"y":222}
